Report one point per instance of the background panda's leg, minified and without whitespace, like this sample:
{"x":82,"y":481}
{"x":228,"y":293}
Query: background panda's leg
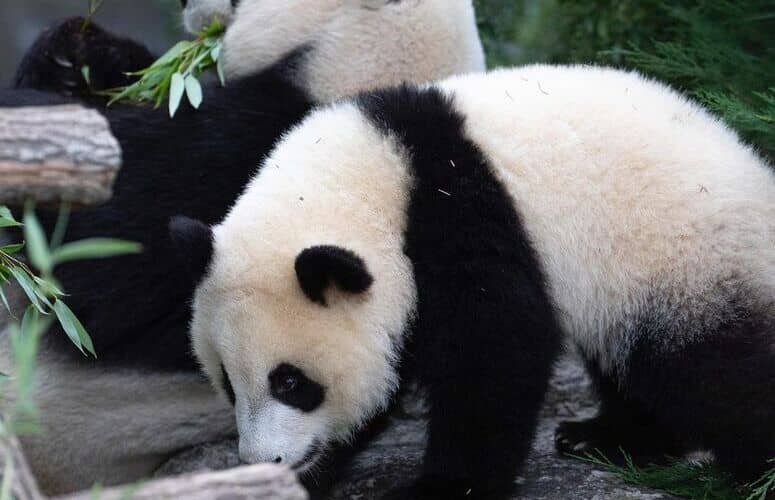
{"x":621,"y":424}
{"x":56,"y":60}
{"x":117,"y":426}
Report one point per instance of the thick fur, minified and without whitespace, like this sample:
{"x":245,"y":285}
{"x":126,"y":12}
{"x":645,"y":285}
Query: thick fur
{"x":54,"y":63}
{"x":137,"y":307}
{"x":496,"y":212}
{"x":411,"y":41}
{"x":660,"y":258}
{"x":485,"y":335}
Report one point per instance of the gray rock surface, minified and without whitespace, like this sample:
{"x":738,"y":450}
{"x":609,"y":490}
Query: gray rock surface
{"x":394,"y":456}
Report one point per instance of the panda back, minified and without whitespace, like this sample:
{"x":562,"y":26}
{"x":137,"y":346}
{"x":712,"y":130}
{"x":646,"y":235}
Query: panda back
{"x":627,"y":189}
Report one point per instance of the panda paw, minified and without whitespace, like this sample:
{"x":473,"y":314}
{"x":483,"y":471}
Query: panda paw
{"x":58,"y":59}
{"x":578,"y":438}
{"x":643,"y":443}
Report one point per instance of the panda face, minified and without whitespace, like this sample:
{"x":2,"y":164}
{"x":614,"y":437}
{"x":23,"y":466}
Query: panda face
{"x":198,"y":14}
{"x":290,"y":365}
{"x":302,"y":313}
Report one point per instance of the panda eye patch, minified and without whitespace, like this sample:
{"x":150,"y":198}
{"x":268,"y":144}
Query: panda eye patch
{"x":289,"y":385}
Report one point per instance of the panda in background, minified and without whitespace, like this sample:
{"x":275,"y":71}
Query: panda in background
{"x":456,"y":234}
{"x":117,"y":418}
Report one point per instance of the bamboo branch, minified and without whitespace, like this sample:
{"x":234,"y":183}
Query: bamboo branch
{"x":56,"y":153}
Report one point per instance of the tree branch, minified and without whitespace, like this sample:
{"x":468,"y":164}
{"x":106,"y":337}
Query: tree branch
{"x":251,"y":482}
{"x":56,"y":153}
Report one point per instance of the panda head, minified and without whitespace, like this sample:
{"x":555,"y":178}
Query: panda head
{"x":198,"y":14}
{"x":293,"y":337}
{"x":343,"y":47}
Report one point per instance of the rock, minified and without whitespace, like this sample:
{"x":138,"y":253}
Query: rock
{"x":393,"y":457}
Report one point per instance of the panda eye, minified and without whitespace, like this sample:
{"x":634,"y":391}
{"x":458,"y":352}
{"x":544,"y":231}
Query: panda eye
{"x":289,"y":385}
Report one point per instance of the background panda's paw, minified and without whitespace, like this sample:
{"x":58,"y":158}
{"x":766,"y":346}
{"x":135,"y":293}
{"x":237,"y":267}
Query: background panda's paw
{"x":57,"y":59}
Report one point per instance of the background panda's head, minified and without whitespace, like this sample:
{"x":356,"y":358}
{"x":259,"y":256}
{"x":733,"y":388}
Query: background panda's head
{"x":198,"y":14}
{"x":345,"y":46}
{"x":307,"y":293}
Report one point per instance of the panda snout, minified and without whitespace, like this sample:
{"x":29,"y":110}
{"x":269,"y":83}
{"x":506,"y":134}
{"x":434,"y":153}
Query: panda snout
{"x":250,"y":454}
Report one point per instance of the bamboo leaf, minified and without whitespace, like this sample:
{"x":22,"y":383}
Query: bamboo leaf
{"x":177,"y":87}
{"x":94,"y":248}
{"x":12,"y":248}
{"x":37,"y":246}
{"x":215,"y":53}
{"x":219,"y":70}
{"x":193,"y":91}
{"x":73,"y":328}
{"x":4,"y":300}
{"x":28,"y":286}
{"x":6,"y":218}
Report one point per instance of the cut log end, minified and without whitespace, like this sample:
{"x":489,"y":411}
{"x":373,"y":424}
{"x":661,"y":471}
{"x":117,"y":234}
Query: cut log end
{"x":56,"y":154}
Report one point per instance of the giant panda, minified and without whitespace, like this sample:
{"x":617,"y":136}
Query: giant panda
{"x":459,"y":234}
{"x":116,"y":418}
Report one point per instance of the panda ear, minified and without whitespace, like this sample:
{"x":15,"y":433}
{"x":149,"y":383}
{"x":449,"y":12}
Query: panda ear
{"x":193,"y":241}
{"x":319,"y":267}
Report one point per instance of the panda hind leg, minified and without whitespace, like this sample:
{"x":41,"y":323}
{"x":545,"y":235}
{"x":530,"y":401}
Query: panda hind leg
{"x":717,"y":392}
{"x":621,"y":426}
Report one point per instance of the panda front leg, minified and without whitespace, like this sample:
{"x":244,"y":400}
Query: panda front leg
{"x":486,"y":357}
{"x":57,"y":61}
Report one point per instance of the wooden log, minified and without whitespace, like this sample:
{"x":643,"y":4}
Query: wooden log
{"x":250,"y":482}
{"x":23,"y":483}
{"x":52,"y":154}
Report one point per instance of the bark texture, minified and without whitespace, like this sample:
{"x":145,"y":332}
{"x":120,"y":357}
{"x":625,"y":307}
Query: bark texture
{"x":56,"y":153}
{"x":253,"y":482}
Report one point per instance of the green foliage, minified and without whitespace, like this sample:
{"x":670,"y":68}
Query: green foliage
{"x":45,"y":297}
{"x":692,"y":480}
{"x":720,"y":52}
{"x":176,"y":73}
{"x":43,"y":292}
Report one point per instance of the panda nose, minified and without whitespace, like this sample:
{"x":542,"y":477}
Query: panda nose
{"x":278,"y":460}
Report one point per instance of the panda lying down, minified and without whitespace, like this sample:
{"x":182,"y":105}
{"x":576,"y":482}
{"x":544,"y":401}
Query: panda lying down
{"x":456,"y":234}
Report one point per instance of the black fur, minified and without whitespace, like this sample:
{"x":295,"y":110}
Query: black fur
{"x":227,"y":387}
{"x":194,"y":242}
{"x":289,"y":385}
{"x":679,"y":393}
{"x":319,"y":267}
{"x":485,"y":336}
{"x":56,"y":60}
{"x":137,"y":308}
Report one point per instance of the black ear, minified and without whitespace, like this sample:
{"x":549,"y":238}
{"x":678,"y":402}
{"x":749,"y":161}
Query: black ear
{"x":193,"y":241}
{"x":319,"y":267}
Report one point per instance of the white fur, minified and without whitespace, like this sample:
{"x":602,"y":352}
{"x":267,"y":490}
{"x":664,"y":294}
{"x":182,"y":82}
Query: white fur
{"x":117,"y":426}
{"x":355,"y":45}
{"x":628,"y":191}
{"x":250,"y":313}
